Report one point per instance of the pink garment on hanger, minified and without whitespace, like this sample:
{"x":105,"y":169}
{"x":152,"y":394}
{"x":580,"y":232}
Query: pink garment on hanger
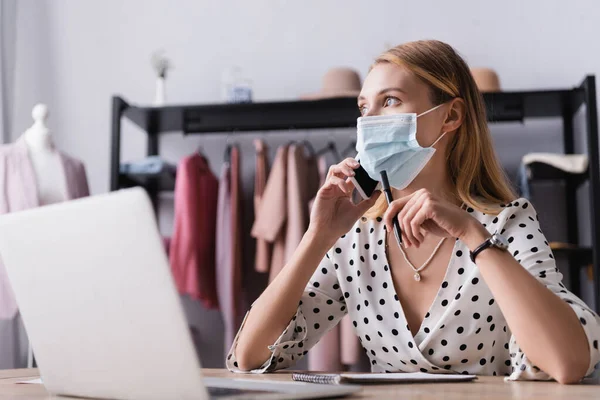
{"x":349,"y":344}
{"x":283,"y":215}
{"x":296,"y":206}
{"x":167,"y":244}
{"x":302,"y":185}
{"x":269,"y":222}
{"x":224,"y":238}
{"x":192,"y":249}
{"x":18,"y":191}
{"x":322,"y":168}
{"x":263,"y":247}
{"x":325,"y":355}
{"x":229,"y":247}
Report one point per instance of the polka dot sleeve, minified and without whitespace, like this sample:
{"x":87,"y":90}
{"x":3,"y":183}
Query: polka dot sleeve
{"x":531,"y":249}
{"x":321,"y":307}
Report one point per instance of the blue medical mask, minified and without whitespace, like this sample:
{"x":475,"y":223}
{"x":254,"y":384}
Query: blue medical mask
{"x":389,"y":143}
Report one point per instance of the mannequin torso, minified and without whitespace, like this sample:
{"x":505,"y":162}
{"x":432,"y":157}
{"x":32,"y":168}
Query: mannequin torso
{"x":46,"y":161}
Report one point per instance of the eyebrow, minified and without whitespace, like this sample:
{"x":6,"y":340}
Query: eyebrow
{"x":393,"y":89}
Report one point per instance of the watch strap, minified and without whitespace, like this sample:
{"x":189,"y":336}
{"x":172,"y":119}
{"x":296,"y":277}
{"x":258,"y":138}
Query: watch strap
{"x":480,"y":248}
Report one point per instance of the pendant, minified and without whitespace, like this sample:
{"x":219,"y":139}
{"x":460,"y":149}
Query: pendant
{"x":417,"y":277}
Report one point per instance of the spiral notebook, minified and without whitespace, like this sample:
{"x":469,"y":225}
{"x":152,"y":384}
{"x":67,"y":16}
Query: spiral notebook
{"x":383,"y":378}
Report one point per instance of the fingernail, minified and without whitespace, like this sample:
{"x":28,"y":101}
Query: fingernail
{"x":355,"y":163}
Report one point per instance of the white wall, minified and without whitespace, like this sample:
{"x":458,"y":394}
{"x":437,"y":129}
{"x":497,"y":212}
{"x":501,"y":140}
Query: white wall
{"x":74,"y":55}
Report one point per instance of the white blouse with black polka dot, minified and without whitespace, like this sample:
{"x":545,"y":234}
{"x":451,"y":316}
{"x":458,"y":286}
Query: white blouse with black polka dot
{"x":464,"y":330}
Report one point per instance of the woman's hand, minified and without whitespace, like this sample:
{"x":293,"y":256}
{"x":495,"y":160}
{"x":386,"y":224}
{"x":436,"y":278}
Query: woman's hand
{"x":333,"y":212}
{"x":423,"y":212}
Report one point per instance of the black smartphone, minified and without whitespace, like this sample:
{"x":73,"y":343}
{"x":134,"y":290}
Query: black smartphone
{"x":364,"y":185}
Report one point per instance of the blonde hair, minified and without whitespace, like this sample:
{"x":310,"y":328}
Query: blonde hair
{"x":475,"y":171}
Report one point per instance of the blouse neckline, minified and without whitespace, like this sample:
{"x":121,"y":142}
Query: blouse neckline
{"x":420,"y":336}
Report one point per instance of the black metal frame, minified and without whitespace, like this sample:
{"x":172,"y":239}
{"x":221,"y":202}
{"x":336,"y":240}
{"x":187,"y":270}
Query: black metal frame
{"x":589,"y":99}
{"x":342,"y":112}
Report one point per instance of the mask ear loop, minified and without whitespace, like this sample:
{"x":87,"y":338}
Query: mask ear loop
{"x":427,"y":112}
{"x":438,"y":139}
{"x":430,"y":110}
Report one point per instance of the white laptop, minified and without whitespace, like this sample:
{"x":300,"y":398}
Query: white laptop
{"x":96,"y":295}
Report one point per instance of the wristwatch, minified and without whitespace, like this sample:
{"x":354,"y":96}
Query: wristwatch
{"x":496,"y":240}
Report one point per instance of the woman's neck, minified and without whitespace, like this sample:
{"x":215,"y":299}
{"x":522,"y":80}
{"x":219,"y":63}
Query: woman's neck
{"x":438,"y":184}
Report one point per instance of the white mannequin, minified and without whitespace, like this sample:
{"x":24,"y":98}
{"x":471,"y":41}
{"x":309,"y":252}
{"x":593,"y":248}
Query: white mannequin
{"x":46,"y":161}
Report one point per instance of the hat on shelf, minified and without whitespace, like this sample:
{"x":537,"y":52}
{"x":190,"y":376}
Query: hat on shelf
{"x":486,"y":79}
{"x":337,"y":82}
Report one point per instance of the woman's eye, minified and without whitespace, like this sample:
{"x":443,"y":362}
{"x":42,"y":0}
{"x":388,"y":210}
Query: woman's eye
{"x":391,"y":101}
{"x":362,"y":109}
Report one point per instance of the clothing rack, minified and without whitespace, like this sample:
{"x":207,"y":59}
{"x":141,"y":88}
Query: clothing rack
{"x":515,"y":106}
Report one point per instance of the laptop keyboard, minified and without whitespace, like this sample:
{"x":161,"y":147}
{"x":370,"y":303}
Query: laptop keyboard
{"x":216,"y":392}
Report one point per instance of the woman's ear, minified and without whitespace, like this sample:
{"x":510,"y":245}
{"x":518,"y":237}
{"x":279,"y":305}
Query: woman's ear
{"x":455,"y":116}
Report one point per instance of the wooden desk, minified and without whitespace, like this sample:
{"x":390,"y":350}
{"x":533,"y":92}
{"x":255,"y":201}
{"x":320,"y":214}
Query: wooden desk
{"x":483,"y":388}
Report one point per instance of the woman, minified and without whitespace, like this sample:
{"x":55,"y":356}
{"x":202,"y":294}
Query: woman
{"x":425,"y":305}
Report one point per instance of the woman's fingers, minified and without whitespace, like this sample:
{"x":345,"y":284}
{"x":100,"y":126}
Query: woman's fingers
{"x":344,"y":168}
{"x":413,"y":199}
{"x":393,"y":209}
{"x":351,"y":162}
{"x":338,"y":174}
{"x":405,"y":241}
{"x":341,"y":183}
{"x":419,"y":218}
{"x":405,"y":216}
{"x":407,"y":222}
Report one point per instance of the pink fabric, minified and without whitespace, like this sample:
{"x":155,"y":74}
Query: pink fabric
{"x":325,"y":355}
{"x":229,"y":244}
{"x":297,"y":217}
{"x":349,"y":344}
{"x":192,"y":250}
{"x":269,"y":223}
{"x":167,"y":244}
{"x":302,"y":185}
{"x":323,"y":168}
{"x":224,"y":236}
{"x":236,"y":241}
{"x":283,"y":215}
{"x":263,"y":247}
{"x":18,"y":191}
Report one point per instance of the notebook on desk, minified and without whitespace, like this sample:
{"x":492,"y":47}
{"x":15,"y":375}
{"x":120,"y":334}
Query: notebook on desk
{"x":383,"y":378}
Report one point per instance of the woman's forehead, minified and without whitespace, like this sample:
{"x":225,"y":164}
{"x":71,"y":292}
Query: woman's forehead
{"x":387,"y":75}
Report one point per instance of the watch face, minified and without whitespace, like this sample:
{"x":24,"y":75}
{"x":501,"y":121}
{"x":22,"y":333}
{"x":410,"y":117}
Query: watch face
{"x":499,"y":241}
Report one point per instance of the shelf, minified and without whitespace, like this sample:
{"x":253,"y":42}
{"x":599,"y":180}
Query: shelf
{"x":189,"y":119}
{"x":327,"y":113}
{"x":516,"y":106}
{"x":539,"y":171}
{"x":163,"y":181}
{"x":582,"y":256}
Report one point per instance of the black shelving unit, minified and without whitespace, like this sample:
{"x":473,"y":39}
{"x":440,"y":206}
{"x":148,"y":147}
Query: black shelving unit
{"x":342,"y":112}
